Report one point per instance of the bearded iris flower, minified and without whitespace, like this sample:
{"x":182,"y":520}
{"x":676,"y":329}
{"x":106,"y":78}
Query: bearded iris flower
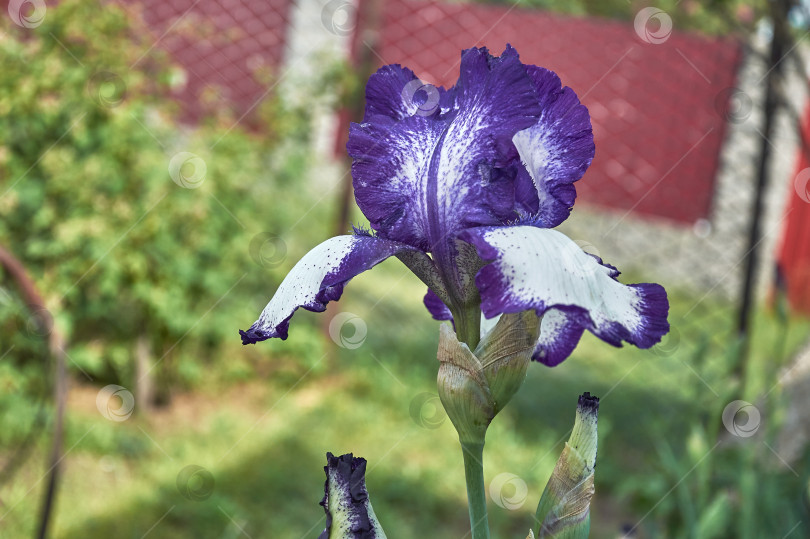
{"x":464,"y":186}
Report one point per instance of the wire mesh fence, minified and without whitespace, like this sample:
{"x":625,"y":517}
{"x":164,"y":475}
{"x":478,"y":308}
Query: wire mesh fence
{"x":676,"y":116}
{"x":677,"y":124}
{"x":226,"y":51}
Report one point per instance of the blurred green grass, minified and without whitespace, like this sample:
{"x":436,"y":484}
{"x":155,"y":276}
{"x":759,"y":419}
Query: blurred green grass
{"x":263,"y":436}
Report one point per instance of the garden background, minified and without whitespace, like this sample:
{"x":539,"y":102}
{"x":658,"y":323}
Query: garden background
{"x":164,"y":164}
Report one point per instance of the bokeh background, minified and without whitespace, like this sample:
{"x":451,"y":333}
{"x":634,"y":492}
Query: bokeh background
{"x":163,"y":164}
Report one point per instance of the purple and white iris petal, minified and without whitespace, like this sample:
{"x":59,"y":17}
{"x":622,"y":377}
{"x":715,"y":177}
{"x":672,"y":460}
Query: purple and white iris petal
{"x":317,"y":279}
{"x":422,"y":178}
{"x":558,"y":149}
{"x":541,"y":269}
{"x":395,"y":91}
{"x":495,"y":100}
{"x":560,"y":332}
{"x":488,"y":324}
{"x":436,"y":307}
{"x":389,"y":169}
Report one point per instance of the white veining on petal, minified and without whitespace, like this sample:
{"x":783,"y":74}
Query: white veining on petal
{"x":456,"y":155}
{"x":534,"y":156}
{"x":420,"y":179}
{"x":412,"y":157}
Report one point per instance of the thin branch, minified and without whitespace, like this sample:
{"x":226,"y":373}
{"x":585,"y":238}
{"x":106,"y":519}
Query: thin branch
{"x":36,"y":305}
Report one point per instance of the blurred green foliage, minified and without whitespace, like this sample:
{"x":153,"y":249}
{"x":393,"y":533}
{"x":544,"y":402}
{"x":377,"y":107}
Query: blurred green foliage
{"x":126,"y":235}
{"x":264,"y":441}
{"x":711,"y":17}
{"x":667,"y":463}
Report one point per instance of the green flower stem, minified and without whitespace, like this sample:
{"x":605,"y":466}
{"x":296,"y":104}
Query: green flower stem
{"x":468,"y":326}
{"x":474,"y":384}
{"x":476,"y":491}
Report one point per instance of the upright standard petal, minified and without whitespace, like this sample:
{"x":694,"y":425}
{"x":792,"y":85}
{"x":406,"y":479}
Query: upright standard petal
{"x":317,"y":279}
{"x":558,"y":149}
{"x":540,"y":269}
{"x":396,"y":92}
{"x":389,"y":175}
{"x":423,"y":178}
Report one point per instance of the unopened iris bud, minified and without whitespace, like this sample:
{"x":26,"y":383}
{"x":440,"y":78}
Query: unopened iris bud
{"x":348,"y":510}
{"x":564,"y":508}
{"x":475,"y":386}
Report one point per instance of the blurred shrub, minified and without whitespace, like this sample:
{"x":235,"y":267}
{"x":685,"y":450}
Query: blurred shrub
{"x":133,"y":227}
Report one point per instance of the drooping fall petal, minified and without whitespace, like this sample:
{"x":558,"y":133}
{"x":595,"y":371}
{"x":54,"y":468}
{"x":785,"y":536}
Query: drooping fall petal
{"x":317,"y":279}
{"x":541,"y":269}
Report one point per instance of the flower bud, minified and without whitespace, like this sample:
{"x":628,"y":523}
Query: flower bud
{"x":348,"y":511}
{"x":564,"y":508}
{"x":475,"y":386}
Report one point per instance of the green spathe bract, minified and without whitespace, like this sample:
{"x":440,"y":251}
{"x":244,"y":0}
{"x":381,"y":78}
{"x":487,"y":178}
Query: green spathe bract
{"x":564,"y":508}
{"x":475,"y":386}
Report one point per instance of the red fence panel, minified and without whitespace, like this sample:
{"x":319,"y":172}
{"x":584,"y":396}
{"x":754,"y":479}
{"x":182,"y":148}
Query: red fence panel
{"x":221,"y":45}
{"x":794,"y":255}
{"x":654,"y":107}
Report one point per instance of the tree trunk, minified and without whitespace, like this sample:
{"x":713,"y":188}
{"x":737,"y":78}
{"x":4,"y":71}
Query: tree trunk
{"x":144,"y":379}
